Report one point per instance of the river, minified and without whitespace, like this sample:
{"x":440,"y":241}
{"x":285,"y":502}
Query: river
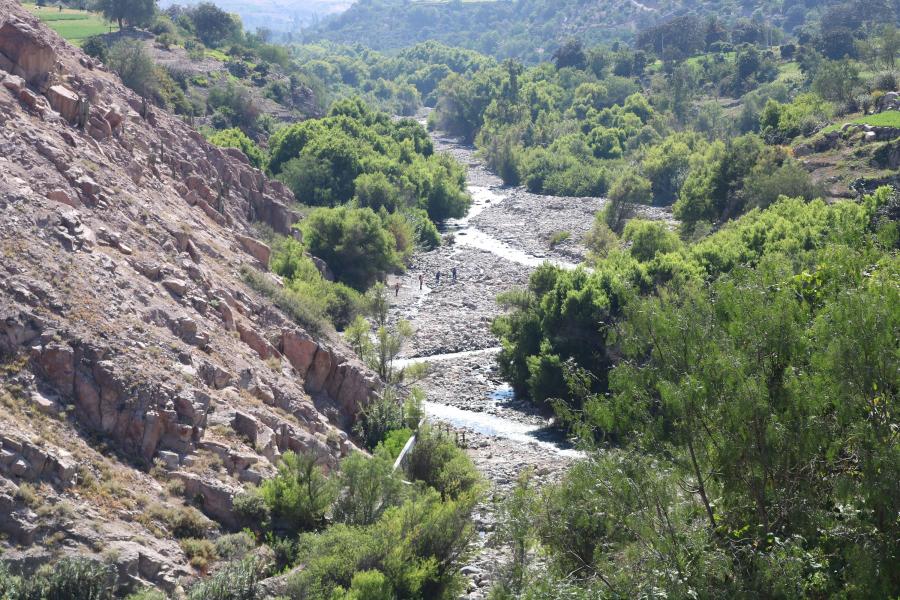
{"x":501,"y":240}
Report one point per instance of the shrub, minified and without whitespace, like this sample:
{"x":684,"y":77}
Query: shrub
{"x":235,"y":545}
{"x":600,"y":240}
{"x":305,"y":283}
{"x":299,"y":495}
{"x":252,"y":510}
{"x":393,"y":443}
{"x":370,"y":585}
{"x":95,"y":47}
{"x":354,"y":243}
{"x":235,"y":138}
{"x":235,"y":105}
{"x":166,"y":40}
{"x":182,"y":521}
{"x":558,"y":237}
{"x":284,"y":550}
{"x":417,"y":546}
{"x":436,"y":461}
{"x":306,"y":311}
{"x":368,"y":487}
{"x":130,"y":61}
{"x":238,"y":580}
{"x":649,"y":238}
{"x":199,"y":552}
{"x":66,"y":579}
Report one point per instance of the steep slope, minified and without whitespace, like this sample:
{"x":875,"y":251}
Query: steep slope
{"x":138,"y":374}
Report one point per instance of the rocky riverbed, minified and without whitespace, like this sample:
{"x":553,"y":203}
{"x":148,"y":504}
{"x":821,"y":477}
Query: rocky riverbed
{"x":495,"y":248}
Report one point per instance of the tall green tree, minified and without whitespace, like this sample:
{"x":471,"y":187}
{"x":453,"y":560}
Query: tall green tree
{"x":133,"y":13}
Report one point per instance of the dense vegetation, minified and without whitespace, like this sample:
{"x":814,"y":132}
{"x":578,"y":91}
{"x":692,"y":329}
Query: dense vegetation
{"x":754,"y":370}
{"x":403,"y":541}
{"x":530,"y":29}
{"x":576,"y":126}
{"x":362,"y":155}
{"x":398,"y":83}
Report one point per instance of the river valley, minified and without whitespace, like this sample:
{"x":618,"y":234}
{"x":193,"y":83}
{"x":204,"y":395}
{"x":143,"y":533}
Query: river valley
{"x":505,"y":236}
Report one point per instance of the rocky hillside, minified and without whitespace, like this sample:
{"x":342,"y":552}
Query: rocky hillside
{"x":139,"y":376}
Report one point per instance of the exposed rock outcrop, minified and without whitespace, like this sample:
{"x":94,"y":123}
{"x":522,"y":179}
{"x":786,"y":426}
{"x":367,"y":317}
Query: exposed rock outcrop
{"x":132,"y":354}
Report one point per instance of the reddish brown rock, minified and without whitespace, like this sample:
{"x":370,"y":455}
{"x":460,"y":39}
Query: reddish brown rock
{"x":299,"y":349}
{"x":64,"y":101}
{"x":257,"y":342}
{"x":27,"y":50}
{"x":255,"y":248}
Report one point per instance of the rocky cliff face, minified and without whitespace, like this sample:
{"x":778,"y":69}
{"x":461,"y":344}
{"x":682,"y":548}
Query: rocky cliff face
{"x":137,"y":372}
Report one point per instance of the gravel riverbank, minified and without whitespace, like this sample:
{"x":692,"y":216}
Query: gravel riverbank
{"x":497,"y":245}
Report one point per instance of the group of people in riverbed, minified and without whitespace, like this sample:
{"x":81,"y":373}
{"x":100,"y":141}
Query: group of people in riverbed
{"x":437,"y":280}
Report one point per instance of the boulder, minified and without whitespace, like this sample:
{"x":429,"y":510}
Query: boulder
{"x":319,"y":371}
{"x":256,"y":341}
{"x":14,"y":83}
{"x":63,"y":197}
{"x":29,"y":54}
{"x":179,"y":287}
{"x":255,"y":248}
{"x":57,"y":362}
{"x":64,"y":101}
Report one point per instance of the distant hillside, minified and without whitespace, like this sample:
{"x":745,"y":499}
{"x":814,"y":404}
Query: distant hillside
{"x":279,"y":16}
{"x":531,"y":29}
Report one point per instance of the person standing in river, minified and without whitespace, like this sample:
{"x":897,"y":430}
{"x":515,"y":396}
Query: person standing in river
{"x":453,"y":273}
{"x":437,"y":277}
{"x":421,"y":280}
{"x":396,"y":289}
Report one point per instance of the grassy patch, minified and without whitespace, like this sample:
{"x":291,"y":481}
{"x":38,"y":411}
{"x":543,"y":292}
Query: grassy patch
{"x":889,"y":118}
{"x":73,"y":25}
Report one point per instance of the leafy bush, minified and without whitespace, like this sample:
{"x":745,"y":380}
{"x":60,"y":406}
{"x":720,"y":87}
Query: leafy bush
{"x":200,"y":553}
{"x":235,"y":105}
{"x":65,"y":579}
{"x":416,"y":546}
{"x":307,"y":311}
{"x":361,"y":154}
{"x":306,"y":284}
{"x":393,"y":443}
{"x":436,"y":461}
{"x":130,"y":61}
{"x":368,"y":487}
{"x":238,"y":580}
{"x":649,"y":238}
{"x":236,"y":545}
{"x":354,"y":243}
{"x":299,"y":495}
{"x":182,"y":521}
{"x":235,"y":138}
{"x":95,"y":47}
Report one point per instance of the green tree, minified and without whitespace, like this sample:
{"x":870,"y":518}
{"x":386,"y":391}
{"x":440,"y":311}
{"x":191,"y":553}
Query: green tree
{"x":353,"y":242}
{"x":836,"y":80}
{"x":134,"y":13}
{"x":629,"y":190}
{"x":213,"y":25}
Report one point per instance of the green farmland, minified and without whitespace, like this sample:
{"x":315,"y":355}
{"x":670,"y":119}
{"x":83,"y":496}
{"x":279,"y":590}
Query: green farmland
{"x":74,"y":25}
